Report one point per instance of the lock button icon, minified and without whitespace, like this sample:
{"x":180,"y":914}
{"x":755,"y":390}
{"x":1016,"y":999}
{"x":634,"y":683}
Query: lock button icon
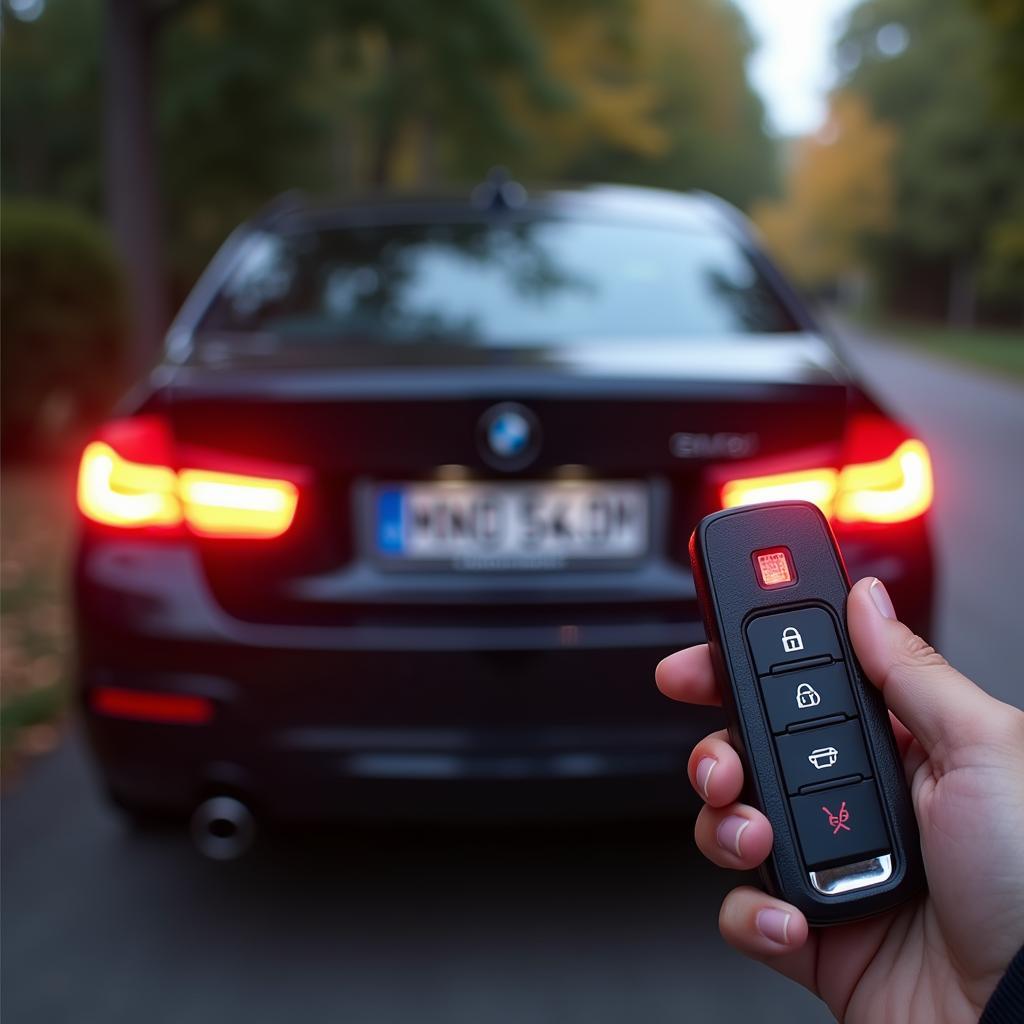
{"x":792,"y":640}
{"x":807,"y":696}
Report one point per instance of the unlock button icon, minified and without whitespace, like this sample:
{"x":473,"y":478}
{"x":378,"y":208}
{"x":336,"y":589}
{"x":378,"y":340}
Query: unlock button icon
{"x":807,"y":696}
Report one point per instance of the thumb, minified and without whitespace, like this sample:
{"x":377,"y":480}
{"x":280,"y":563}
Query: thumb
{"x":935,"y":702}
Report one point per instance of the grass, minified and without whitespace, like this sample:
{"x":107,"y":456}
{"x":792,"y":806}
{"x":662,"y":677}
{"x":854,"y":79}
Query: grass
{"x":35,"y":540}
{"x":999,"y":350}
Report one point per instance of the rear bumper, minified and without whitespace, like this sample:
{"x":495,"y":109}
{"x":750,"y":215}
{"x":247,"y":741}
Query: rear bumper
{"x":376,"y":720}
{"x":407,"y":735}
{"x":172,"y":768}
{"x":313,"y":723}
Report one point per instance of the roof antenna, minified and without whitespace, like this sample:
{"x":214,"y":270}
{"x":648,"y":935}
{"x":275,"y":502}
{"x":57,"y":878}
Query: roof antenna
{"x":498,"y":191}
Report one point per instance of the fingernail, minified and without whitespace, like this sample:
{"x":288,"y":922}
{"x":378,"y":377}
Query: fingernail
{"x":882,"y":600}
{"x":730,"y":831}
{"x":774,"y":924}
{"x":705,"y":767}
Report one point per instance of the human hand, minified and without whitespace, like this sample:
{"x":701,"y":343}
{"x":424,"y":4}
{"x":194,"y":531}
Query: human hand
{"x":939,"y":957}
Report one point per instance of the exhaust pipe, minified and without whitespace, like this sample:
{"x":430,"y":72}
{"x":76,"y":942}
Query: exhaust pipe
{"x":222,"y":828}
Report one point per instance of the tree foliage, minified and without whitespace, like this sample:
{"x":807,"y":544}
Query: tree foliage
{"x":693,"y":54}
{"x":50,"y":104}
{"x":255,"y":97}
{"x":957,"y":167}
{"x":62,"y":320}
{"x":1005,"y":21}
{"x":590,"y":51}
{"x":838,"y":195}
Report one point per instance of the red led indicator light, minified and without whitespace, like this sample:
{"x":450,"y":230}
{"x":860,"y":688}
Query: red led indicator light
{"x":774,"y":568}
{"x":838,"y":821}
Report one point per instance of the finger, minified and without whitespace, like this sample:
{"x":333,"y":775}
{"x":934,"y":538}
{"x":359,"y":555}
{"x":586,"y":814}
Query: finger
{"x":911,"y":752}
{"x":904,"y":738}
{"x":771,"y":931}
{"x":737,"y":836}
{"x":934,"y":701}
{"x":715,"y":770}
{"x":688,"y":676}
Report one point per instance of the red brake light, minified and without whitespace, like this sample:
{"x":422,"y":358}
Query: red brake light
{"x":126,"y":479}
{"x":887,"y":478}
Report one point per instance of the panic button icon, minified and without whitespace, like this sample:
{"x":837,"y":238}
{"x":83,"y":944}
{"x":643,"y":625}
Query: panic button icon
{"x":838,"y":821}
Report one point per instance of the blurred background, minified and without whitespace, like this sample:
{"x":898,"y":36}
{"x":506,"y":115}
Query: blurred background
{"x":879,"y":149}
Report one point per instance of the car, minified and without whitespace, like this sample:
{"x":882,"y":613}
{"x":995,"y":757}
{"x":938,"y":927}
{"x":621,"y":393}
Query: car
{"x":398,"y":527}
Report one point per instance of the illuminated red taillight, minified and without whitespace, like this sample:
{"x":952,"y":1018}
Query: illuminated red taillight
{"x":118,"y":492}
{"x":232,"y":505}
{"x":147,"y":706}
{"x":126,"y":479}
{"x":814,"y":485}
{"x":891,"y":489}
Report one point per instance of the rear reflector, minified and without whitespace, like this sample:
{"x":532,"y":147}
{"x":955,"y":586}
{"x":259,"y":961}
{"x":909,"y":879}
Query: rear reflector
{"x":890,"y":490}
{"x":115,"y":488}
{"x":146,"y":706}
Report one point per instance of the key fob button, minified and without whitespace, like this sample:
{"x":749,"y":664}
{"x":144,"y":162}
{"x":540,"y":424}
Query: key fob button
{"x":815,"y":756}
{"x":806,"y":694}
{"x":840,"y":825}
{"x":782,"y":638}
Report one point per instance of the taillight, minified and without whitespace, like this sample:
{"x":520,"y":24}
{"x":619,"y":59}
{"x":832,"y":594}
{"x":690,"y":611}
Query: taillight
{"x":815,"y":485}
{"x":890,"y":490}
{"x":118,"y":492}
{"x":126,"y":479}
{"x":232,"y":505}
{"x":893,"y":488}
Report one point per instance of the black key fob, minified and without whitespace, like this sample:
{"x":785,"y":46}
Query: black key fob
{"x":818,"y":752}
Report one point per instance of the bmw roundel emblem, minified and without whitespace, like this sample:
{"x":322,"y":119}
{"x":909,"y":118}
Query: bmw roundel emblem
{"x":509,"y":436}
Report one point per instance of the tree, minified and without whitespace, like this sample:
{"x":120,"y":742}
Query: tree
{"x":838,"y":196}
{"x":61,"y":320}
{"x":693,"y":53}
{"x":232,"y":128}
{"x":604,"y":99}
{"x":1005,"y":21}
{"x":253,"y":97}
{"x":368,"y":93}
{"x":926,"y":67}
{"x":50,"y":103}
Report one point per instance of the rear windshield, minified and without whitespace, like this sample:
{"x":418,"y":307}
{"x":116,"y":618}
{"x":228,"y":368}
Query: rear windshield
{"x":534,"y":284}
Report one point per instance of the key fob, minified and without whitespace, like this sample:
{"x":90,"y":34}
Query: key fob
{"x":818,"y":752}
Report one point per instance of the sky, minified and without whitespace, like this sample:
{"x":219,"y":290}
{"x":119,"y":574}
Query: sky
{"x":792,"y":67}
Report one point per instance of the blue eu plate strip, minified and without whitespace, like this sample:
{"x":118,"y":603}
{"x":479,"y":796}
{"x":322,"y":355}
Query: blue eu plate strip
{"x":389,"y":522}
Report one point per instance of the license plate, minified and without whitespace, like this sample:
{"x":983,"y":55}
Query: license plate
{"x":512,"y":526}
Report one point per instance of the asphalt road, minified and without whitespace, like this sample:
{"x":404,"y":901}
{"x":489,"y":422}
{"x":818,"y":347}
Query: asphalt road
{"x":104,"y":924}
{"x":973,"y":424}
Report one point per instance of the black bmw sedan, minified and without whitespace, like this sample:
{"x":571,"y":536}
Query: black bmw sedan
{"x":398,"y":527}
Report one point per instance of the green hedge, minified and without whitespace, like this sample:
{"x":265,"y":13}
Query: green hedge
{"x":62,"y":323}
